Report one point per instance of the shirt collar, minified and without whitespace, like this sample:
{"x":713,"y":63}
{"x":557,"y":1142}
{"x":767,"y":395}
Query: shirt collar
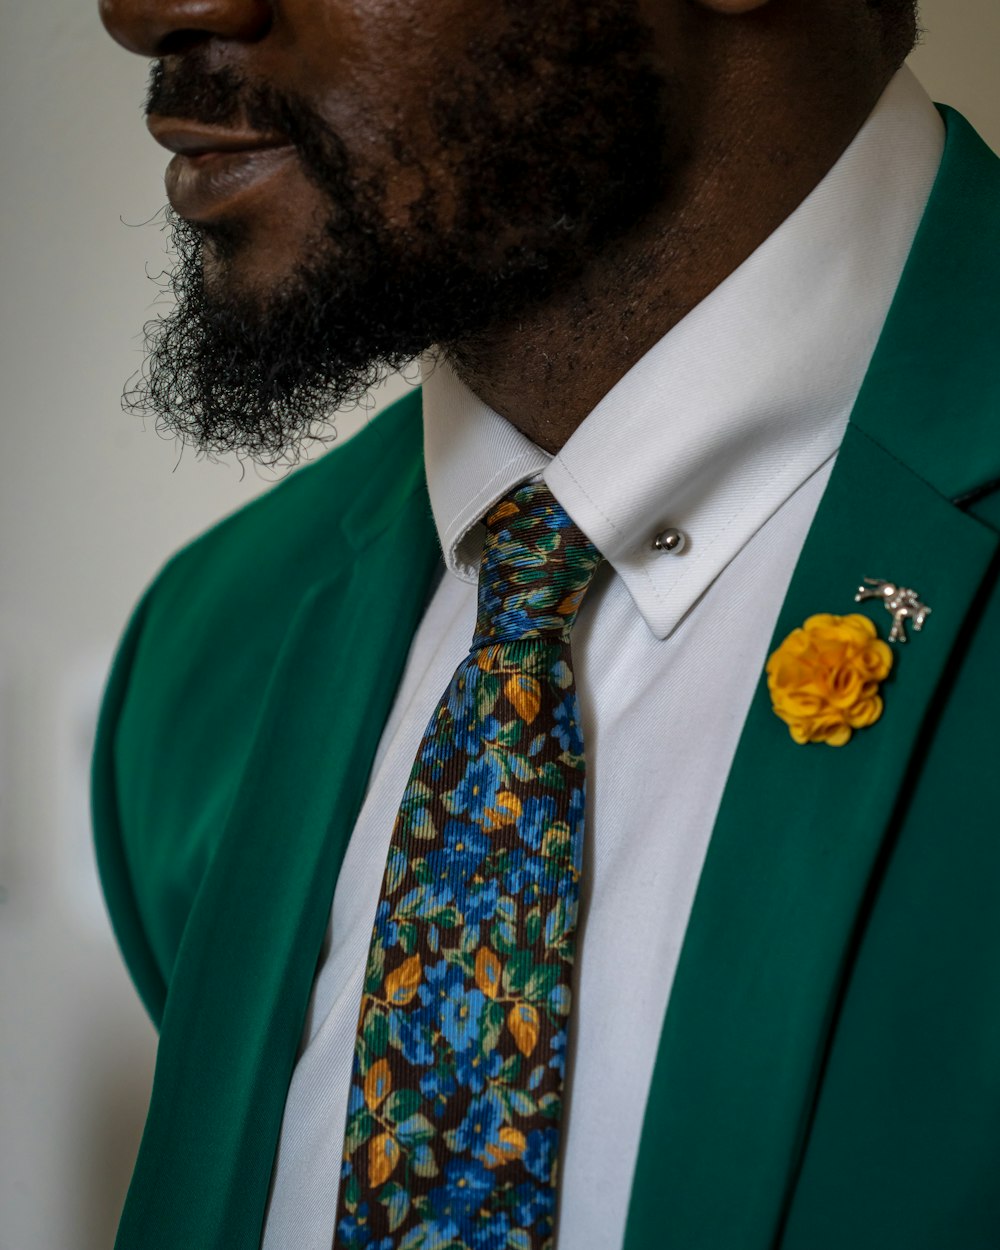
{"x":732,"y":410}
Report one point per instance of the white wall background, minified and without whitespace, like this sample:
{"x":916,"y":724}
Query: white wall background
{"x":90,"y":505}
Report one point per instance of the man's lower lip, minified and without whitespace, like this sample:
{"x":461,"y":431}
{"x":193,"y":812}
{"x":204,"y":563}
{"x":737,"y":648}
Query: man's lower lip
{"x":213,"y":183}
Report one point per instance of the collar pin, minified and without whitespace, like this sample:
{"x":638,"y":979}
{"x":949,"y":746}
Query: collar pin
{"x":670,"y":542}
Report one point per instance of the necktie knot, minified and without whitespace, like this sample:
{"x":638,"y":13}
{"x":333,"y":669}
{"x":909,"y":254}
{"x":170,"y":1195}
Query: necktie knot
{"x":536,"y":568}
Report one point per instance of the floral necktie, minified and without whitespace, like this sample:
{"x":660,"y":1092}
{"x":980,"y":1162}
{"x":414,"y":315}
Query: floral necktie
{"x":453,"y":1119}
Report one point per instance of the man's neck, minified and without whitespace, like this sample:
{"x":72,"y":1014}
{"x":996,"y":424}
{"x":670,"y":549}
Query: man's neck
{"x":546,"y":373}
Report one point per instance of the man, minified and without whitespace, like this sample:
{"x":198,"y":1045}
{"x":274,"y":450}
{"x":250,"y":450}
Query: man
{"x":718,"y":282}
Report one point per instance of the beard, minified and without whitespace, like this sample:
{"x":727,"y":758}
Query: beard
{"x":535,"y":193}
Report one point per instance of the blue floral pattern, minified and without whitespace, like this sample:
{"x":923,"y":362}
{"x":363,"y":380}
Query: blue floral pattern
{"x":452,"y":1134}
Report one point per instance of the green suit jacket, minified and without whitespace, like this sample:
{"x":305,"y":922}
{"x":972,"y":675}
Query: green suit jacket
{"x":829,"y":1069}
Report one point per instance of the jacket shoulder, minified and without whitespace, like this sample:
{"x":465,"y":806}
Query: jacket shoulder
{"x":302,"y":522}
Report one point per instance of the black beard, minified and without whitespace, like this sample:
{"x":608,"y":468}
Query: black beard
{"x":585,"y":161}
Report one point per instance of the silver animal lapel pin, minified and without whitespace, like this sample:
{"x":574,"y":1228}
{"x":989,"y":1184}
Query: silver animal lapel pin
{"x":902,"y":604}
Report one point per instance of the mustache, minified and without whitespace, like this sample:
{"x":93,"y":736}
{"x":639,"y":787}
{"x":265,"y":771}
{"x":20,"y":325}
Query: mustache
{"x":190,"y":91}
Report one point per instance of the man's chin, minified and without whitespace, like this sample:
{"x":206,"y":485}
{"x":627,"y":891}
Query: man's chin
{"x":237,"y":264}
{"x":254,"y":357}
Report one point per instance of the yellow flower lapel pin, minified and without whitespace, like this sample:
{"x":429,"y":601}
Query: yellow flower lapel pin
{"x":824,"y":679}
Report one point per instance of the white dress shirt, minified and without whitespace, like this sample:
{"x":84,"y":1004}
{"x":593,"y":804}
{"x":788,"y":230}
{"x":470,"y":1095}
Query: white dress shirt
{"x":727,"y":430}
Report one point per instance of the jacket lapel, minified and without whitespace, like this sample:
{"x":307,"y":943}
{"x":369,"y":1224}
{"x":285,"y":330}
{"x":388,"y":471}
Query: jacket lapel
{"x":244,"y":970}
{"x":801,"y":830}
